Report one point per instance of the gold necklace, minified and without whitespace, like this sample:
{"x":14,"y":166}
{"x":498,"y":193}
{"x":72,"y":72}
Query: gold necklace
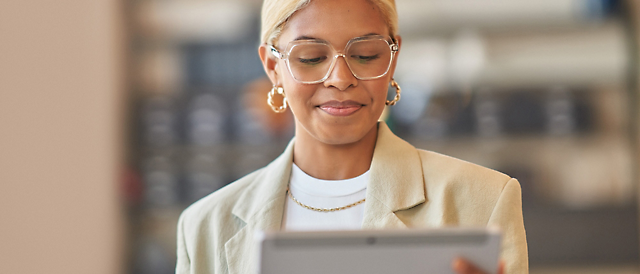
{"x":322,"y":209}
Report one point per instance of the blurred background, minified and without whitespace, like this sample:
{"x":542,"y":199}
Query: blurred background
{"x":116,"y":115}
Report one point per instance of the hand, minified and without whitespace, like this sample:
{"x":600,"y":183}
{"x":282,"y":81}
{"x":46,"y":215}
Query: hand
{"x":462,"y":266}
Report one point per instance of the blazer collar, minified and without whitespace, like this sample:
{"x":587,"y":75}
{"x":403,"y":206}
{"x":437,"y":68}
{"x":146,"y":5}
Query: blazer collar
{"x":265,"y":199}
{"x":396,"y":181}
{"x":261,"y":208}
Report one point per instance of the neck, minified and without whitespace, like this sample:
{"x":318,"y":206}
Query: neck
{"x":334,"y":162}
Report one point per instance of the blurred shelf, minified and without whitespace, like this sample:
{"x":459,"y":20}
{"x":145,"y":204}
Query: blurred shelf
{"x":433,"y":16}
{"x":582,"y":237}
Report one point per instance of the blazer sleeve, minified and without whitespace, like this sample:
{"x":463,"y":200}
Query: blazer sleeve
{"x":507,"y":215}
{"x":183,"y":263}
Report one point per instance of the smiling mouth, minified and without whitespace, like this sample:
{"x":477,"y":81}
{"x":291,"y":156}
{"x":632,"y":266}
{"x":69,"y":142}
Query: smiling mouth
{"x":337,"y":108}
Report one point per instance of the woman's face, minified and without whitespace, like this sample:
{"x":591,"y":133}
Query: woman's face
{"x":342,"y":109}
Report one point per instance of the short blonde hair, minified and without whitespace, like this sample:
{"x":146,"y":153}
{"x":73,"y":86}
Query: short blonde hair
{"x":276,"y":13}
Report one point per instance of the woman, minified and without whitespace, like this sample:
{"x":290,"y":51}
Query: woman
{"x":333,"y":61}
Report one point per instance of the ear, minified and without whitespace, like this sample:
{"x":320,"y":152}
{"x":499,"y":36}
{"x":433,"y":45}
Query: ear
{"x":392,"y":70}
{"x":269,"y":63}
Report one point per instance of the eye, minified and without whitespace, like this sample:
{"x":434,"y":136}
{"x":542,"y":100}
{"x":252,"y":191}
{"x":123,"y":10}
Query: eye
{"x":363,"y":59}
{"x":312,"y":61}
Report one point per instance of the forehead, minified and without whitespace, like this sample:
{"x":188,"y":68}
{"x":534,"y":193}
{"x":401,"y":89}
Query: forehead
{"x":335,"y":21}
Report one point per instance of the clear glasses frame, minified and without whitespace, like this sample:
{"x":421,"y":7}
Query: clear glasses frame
{"x":393,"y":47}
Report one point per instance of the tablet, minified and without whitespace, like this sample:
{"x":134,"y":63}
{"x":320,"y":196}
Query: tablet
{"x":377,"y":251}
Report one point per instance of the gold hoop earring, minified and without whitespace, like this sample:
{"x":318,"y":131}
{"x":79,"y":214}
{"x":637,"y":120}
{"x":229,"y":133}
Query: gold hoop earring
{"x":397,"y":97}
{"x":278,"y":90}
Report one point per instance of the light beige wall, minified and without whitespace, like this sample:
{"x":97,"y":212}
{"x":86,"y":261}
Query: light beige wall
{"x":60,"y":136}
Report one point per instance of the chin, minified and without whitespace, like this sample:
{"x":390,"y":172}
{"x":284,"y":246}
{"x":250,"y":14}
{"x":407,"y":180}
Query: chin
{"x":340,"y":140}
{"x":340,"y":135}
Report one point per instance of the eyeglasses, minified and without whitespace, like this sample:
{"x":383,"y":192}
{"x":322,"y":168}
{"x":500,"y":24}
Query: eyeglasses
{"x":311,"y":61}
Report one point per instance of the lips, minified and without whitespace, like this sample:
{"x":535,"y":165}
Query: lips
{"x":337,"y":108}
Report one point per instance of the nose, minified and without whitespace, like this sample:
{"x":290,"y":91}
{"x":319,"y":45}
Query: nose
{"x":341,"y":76}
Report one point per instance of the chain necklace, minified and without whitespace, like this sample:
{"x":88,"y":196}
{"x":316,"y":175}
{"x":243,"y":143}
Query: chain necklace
{"x":322,"y":209}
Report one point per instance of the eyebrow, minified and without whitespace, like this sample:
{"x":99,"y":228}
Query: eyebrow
{"x":304,"y":37}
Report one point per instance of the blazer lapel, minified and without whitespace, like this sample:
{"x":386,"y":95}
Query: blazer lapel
{"x":261,"y":208}
{"x":389,"y":192}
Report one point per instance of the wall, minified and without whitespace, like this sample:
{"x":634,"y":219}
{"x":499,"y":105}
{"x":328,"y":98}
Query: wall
{"x":60,"y":137}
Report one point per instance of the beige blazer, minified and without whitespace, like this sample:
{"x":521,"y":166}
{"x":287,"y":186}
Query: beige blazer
{"x":408,"y":188}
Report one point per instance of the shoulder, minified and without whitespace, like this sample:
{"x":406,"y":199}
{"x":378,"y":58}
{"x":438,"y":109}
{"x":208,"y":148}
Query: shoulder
{"x":219,"y":204}
{"x":466,"y":193}
{"x":442,"y":168}
{"x":437,"y":168}
{"x":243,"y":198}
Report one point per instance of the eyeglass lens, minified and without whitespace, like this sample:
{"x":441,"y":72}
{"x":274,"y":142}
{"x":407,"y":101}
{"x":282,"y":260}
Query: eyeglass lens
{"x":367,"y":59}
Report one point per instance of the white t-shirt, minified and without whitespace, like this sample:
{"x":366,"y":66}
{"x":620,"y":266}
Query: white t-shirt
{"x":324,"y":194}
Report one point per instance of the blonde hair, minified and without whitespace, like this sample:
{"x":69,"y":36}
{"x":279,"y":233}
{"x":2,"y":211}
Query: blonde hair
{"x":276,"y":13}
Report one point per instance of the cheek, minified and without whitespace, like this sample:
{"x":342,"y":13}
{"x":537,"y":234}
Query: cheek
{"x":298,"y":96}
{"x":378,"y":92}
{"x":292,"y":89}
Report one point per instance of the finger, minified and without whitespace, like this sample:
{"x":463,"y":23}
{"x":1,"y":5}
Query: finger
{"x":462,"y":266}
{"x":501,"y":267}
